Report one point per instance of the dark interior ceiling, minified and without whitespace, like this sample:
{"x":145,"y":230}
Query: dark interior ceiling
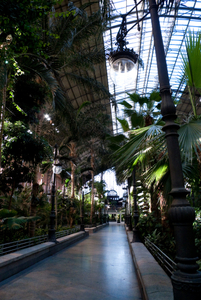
{"x":77,"y":93}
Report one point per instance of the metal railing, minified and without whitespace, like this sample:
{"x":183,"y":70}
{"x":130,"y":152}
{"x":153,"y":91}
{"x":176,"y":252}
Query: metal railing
{"x":22,"y":244}
{"x":62,"y":233}
{"x":166,"y":263}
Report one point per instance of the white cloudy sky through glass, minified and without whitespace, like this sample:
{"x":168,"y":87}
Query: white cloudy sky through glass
{"x":174,"y":26}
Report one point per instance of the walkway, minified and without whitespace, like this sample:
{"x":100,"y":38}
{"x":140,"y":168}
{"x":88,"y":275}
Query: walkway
{"x":97,"y":268}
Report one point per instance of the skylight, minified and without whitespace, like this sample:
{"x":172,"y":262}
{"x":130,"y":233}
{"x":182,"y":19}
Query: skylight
{"x":174,"y":26}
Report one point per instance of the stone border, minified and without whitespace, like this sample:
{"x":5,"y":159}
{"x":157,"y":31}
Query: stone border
{"x":95,"y":229}
{"x":12,"y":263}
{"x":154,"y":282}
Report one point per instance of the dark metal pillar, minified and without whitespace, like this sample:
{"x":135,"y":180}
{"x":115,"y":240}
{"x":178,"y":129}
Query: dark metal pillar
{"x":126,"y":215}
{"x":187,"y":280}
{"x":82,"y":213}
{"x":51,"y":232}
{"x":135,"y":213}
{"x":129,"y":218}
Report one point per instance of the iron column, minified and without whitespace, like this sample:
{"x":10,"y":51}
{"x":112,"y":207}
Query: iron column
{"x":187,"y":280}
{"x":51,"y":233}
{"x":82,"y":213}
{"x":135,"y":213}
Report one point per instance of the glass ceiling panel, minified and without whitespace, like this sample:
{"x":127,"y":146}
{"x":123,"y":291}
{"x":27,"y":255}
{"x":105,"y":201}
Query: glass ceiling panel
{"x":174,"y":26}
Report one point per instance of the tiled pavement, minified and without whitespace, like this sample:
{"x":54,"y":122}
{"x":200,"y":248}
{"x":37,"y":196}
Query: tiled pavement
{"x":99,"y":267}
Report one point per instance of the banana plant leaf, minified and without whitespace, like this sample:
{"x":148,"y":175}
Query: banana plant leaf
{"x":16,"y":222}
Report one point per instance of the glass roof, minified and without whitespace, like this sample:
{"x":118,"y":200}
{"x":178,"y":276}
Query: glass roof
{"x":175,"y":24}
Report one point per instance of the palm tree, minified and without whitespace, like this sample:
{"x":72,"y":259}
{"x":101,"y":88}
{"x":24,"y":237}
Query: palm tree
{"x":148,"y":143}
{"x":84,"y":136}
{"x":66,"y":52}
{"x":73,"y":57}
{"x":18,"y":36}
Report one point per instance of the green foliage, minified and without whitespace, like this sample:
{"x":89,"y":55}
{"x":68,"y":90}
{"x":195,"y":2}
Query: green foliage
{"x":161,"y":236}
{"x":28,"y":98}
{"x":197,"y":232}
{"x":165,"y":241}
{"x":10,"y":221}
{"x":21,"y":20}
{"x":124,"y":124}
{"x":147,"y":224}
{"x":189,"y":139}
{"x":100,"y":189}
{"x":6,"y":213}
{"x":17,"y":222}
{"x":191,"y":67}
{"x":143,"y":198}
{"x":21,"y":153}
{"x":21,"y":145}
{"x":194,"y":183}
{"x":21,"y":200}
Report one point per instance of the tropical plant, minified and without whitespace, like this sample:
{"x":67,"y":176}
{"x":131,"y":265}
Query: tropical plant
{"x":85,"y":137}
{"x":9,"y":220}
{"x":191,"y":66}
{"x":146,"y":146}
{"x":141,"y":111}
{"x":20,"y":35}
{"x":64,"y":51}
{"x":10,"y":223}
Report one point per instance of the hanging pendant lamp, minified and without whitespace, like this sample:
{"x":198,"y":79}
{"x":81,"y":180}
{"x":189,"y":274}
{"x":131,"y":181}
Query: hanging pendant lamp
{"x":122,"y":60}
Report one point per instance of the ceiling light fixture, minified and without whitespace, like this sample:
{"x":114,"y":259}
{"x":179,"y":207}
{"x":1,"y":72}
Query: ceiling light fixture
{"x":123,"y":60}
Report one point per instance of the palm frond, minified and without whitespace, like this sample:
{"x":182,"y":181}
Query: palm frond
{"x":155,"y":96}
{"x":156,"y":172}
{"x":17,"y":222}
{"x":124,"y":124}
{"x":126,"y":104}
{"x":46,"y":166}
{"x":90,"y":83}
{"x":137,"y":120}
{"x":117,"y":139}
{"x":189,"y":140}
{"x":192,"y":60}
{"x":140,"y":139}
{"x":6,"y":213}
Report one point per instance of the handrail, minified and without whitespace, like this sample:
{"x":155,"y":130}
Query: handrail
{"x":62,"y":233}
{"x":25,"y":243}
{"x":166,"y":263}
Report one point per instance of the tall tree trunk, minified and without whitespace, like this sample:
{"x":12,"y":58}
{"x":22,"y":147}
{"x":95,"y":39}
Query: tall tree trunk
{"x":164,"y":210}
{"x":154,"y":202}
{"x":3,"y":87}
{"x":92,"y":186}
{"x":34,"y":202}
{"x":56,"y":211}
{"x":72,"y":148}
{"x":11,"y":195}
{"x":35,"y":187}
{"x":72,"y":213}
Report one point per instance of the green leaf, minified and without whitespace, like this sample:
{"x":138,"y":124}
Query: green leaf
{"x":189,"y":139}
{"x":137,"y":120}
{"x":155,"y":96}
{"x":126,"y":104}
{"x":6,"y":213}
{"x":124,"y":124}
{"x":134,"y":97}
{"x":84,"y":104}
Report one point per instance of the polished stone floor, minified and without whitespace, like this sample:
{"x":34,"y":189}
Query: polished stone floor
{"x":99,"y":267}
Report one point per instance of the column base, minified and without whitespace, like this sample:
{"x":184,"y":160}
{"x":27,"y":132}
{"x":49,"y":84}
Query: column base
{"x":136,"y":238}
{"x":51,"y":236}
{"x":186,"y":286}
{"x":82,"y":227}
